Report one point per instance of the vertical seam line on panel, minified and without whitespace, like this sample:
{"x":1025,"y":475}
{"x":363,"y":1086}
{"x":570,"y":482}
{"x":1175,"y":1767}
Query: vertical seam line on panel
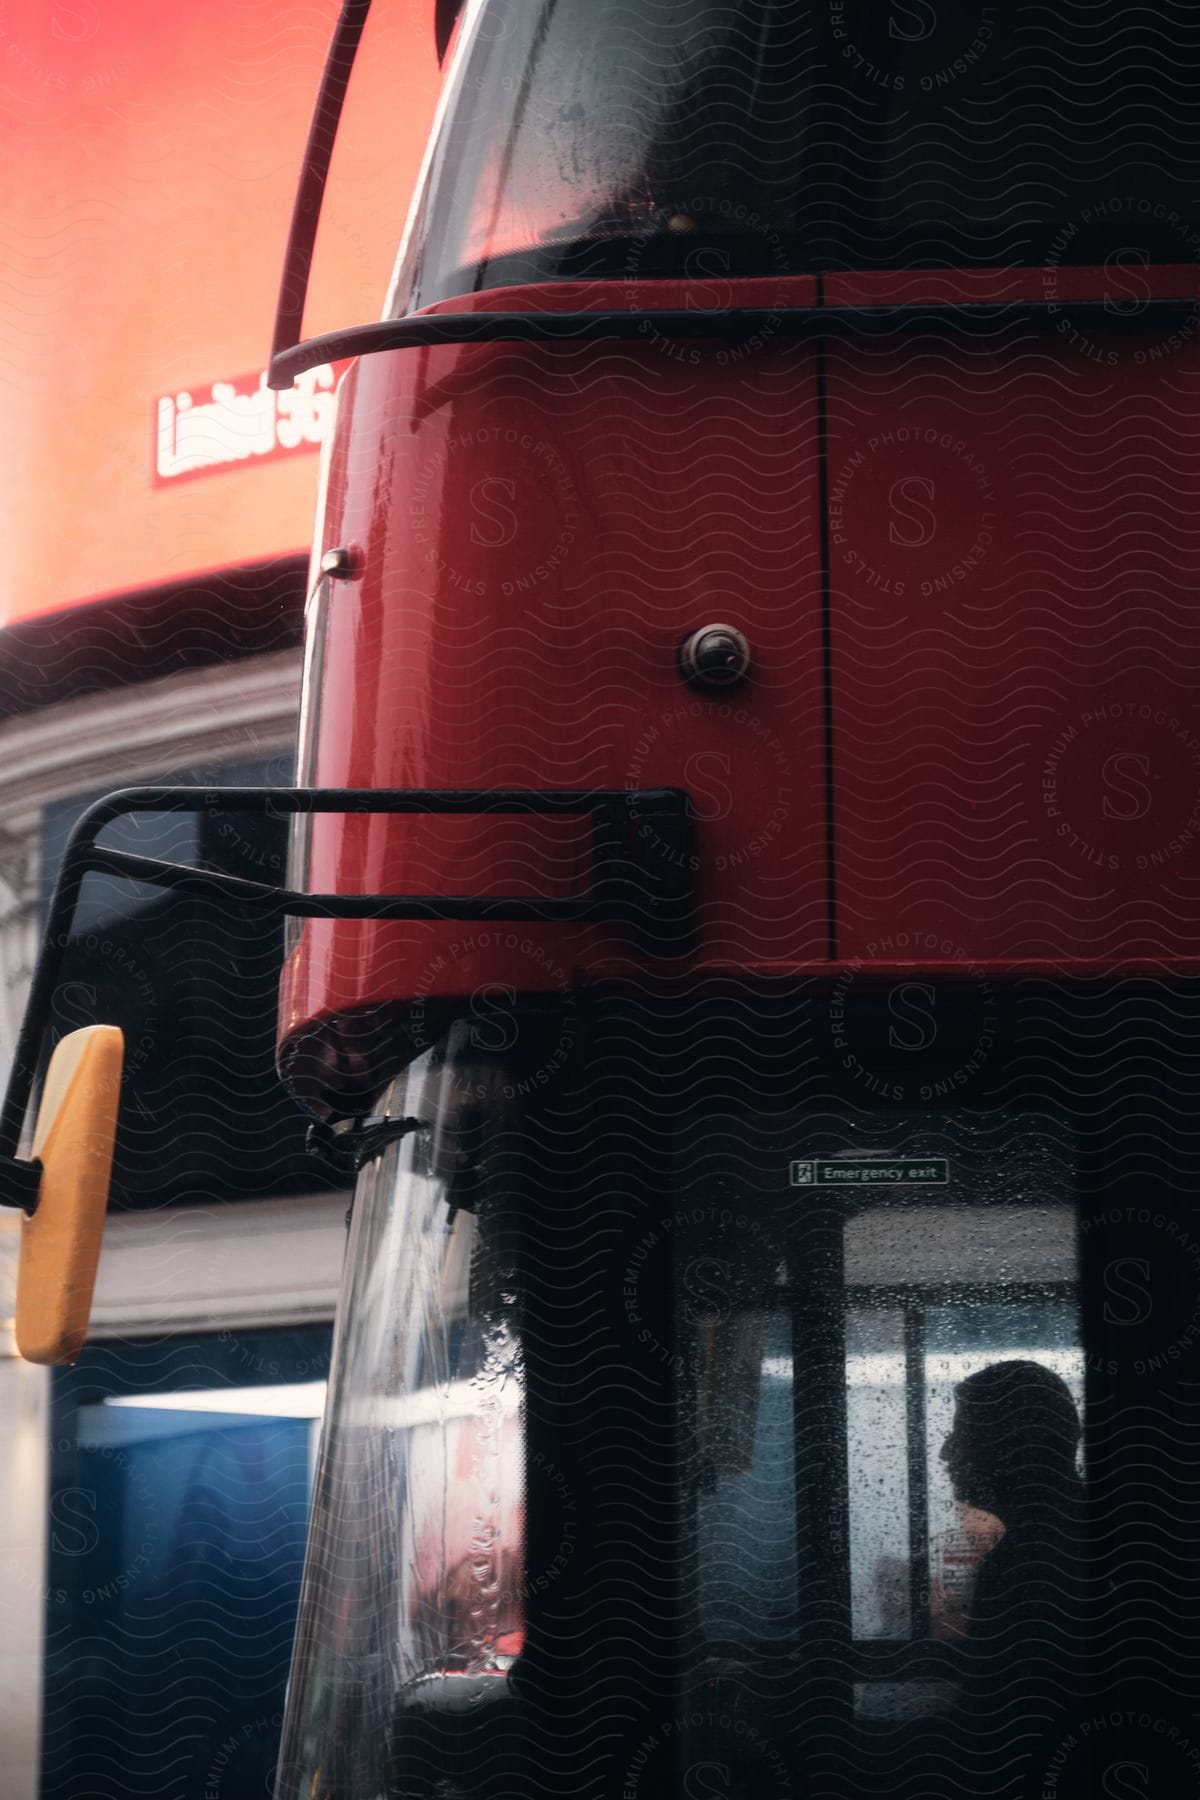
{"x":831,"y":931}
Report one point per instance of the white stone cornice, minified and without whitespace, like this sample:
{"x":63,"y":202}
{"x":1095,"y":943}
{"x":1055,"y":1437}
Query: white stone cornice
{"x":125,"y":737}
{"x":227,"y":713}
{"x":243,"y":1266}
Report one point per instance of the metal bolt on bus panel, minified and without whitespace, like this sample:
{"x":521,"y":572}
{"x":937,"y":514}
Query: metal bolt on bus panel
{"x":716,"y":656}
{"x":343,"y":563}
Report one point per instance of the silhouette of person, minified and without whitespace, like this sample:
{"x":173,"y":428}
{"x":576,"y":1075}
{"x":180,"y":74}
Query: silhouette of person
{"x":1012,"y":1452}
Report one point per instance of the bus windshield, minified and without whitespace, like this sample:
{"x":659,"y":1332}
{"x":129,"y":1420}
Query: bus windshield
{"x":587,"y":139}
{"x":710,"y":1428}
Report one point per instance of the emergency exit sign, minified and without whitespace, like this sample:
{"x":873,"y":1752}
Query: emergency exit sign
{"x":872,"y":1171}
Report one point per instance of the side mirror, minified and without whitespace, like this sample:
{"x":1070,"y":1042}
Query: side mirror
{"x":60,"y":1241}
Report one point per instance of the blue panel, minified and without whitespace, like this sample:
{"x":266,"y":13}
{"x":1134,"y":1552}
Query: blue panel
{"x":176,"y":1549}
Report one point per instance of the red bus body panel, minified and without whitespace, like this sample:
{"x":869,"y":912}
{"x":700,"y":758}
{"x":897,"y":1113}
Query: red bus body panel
{"x":1015,"y":629}
{"x":540,"y":527}
{"x":965,"y":563}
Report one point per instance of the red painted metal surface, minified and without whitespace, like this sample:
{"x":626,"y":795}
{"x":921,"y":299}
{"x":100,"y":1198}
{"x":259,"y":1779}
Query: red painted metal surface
{"x":540,"y":527}
{"x":1015,"y":634}
{"x":1015,"y":775}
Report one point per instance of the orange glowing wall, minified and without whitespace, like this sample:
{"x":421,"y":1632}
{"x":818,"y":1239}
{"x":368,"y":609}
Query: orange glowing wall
{"x":149,"y":152}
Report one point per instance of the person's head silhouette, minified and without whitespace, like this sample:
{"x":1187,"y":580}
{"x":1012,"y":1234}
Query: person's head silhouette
{"x":1014,"y":1440}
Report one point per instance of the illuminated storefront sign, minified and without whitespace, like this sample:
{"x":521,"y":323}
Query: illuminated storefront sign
{"x":151,"y":154}
{"x":238,"y":420}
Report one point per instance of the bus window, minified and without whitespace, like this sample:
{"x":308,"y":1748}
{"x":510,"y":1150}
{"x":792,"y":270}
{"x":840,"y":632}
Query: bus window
{"x":584,"y":139}
{"x":935,"y":1295}
{"x":416,"y":1570}
{"x":960,"y":1342}
{"x":767,"y":1423}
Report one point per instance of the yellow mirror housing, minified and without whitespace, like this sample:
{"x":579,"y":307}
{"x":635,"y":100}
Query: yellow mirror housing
{"x":60,"y":1243}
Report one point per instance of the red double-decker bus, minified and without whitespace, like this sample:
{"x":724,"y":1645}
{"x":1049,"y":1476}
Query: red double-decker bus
{"x":745,"y":881}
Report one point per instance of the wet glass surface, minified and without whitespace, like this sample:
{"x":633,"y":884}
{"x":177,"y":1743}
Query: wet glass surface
{"x":785,"y":1441}
{"x":703,"y":139}
{"x":414,"y":1586}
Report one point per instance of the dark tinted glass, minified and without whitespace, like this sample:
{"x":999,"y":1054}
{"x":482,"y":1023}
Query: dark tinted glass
{"x":701,"y":138}
{"x":179,"y":1482}
{"x":704,"y":1424}
{"x":194,"y":985}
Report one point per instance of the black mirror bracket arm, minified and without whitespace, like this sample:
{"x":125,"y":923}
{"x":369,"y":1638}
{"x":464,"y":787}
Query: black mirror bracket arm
{"x":650,"y":893}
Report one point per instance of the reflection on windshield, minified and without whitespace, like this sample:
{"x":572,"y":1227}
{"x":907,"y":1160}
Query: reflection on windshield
{"x":703,"y":139}
{"x":415,"y":1576}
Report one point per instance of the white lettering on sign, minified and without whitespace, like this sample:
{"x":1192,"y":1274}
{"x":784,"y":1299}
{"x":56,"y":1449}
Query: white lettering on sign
{"x":242,"y":420}
{"x":862,"y":1171}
